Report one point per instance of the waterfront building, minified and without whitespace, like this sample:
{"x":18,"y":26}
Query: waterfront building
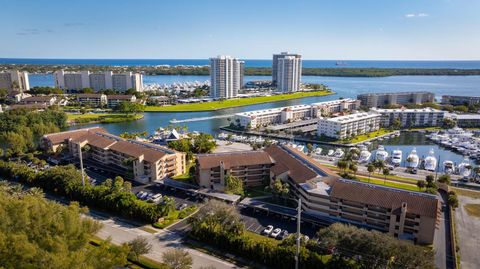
{"x":252,"y":167}
{"x":460,"y":100}
{"x":467,"y":120}
{"x":39,"y":99}
{"x":281,"y":115}
{"x":92,"y":99}
{"x":115,"y":100}
{"x":275,"y":67}
{"x":325,"y":196}
{"x":348,"y":126}
{"x":418,"y":117}
{"x":287,"y":71}
{"x":14,"y":80}
{"x":225,"y":77}
{"x":140,"y":161}
{"x":395,"y":98}
{"x":98,"y":81}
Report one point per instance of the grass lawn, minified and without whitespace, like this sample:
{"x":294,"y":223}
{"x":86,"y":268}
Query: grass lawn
{"x":473,"y":209}
{"x":215,"y":105}
{"x":468,"y":193}
{"x":259,"y":237}
{"x":175,"y":216}
{"x":101,"y":117}
{"x":387,"y":183}
{"x":363,"y":137}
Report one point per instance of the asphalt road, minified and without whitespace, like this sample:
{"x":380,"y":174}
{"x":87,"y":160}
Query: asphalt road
{"x":442,"y":242}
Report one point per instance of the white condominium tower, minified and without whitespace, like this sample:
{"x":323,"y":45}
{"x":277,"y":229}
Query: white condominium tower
{"x":14,"y":80}
{"x":287,"y":71}
{"x":225,"y":77}
{"x":98,"y":81}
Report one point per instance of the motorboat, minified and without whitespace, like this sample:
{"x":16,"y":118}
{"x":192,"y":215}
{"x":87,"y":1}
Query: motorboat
{"x":430,"y":161}
{"x":330,"y":152}
{"x":300,"y":148}
{"x":448,"y":167}
{"x":465,"y":168}
{"x":396,"y":157}
{"x":412,"y":159}
{"x":381,"y":154}
{"x":318,"y":151}
{"x":338,"y":153}
{"x":364,"y":156}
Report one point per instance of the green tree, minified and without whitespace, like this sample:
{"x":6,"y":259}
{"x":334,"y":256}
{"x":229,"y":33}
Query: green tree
{"x":203,"y":143}
{"x":233,"y":185}
{"x":421,"y":184}
{"x":177,"y":259}
{"x":138,"y":246}
{"x":448,"y":123}
{"x":309,"y":148}
{"x":444,"y":179}
{"x":385,"y":172}
{"x":130,"y":108}
{"x":452,"y":199}
{"x":280,"y":189}
{"x":370,"y":169}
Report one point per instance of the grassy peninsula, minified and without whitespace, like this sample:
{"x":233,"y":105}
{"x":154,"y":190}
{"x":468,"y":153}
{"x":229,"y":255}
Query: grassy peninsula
{"x":216,"y":105}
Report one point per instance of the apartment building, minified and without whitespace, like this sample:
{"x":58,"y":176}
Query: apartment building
{"x":293,"y":69}
{"x":91,"y":99}
{"x":467,"y":120}
{"x":225,"y":77}
{"x":460,"y":100}
{"x":422,"y":117}
{"x":98,"y":81}
{"x":139,"y":161}
{"x":349,"y":125}
{"x":395,"y":98}
{"x":403,"y":214}
{"x":281,"y":115}
{"x":39,"y":99}
{"x":252,"y":167}
{"x":115,"y":100}
{"x":14,"y":80}
{"x":289,"y":73}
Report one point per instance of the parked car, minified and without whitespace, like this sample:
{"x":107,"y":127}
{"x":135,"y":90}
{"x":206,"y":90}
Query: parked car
{"x":139,"y":194}
{"x":276,"y":232}
{"x":182,"y":206}
{"x":268,"y":230}
{"x":284,"y":234}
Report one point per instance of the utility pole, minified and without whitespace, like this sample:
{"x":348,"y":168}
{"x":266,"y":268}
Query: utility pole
{"x":81,"y":164}
{"x":299,"y":214}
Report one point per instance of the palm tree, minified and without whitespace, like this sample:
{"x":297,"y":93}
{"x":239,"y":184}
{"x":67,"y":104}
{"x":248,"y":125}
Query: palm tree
{"x":386,"y":172}
{"x":370,"y":169}
{"x":37,"y":192}
{"x":421,"y":184}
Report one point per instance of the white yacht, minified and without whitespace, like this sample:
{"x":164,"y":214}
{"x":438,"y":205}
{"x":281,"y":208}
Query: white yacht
{"x":448,"y":167}
{"x":381,"y":154}
{"x":430,"y":161}
{"x":330,"y":152}
{"x":364,"y":156}
{"x":412,"y":159}
{"x":338,"y":153}
{"x":465,"y":168}
{"x":397,"y":157}
{"x":318,"y":151}
{"x":300,"y":148}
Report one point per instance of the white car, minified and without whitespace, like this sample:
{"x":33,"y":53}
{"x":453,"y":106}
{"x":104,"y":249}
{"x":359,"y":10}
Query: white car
{"x":268,"y":230}
{"x":139,"y":194}
{"x":306,"y":238}
{"x":276,"y":232}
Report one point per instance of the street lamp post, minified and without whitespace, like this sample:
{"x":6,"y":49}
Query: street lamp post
{"x":299,"y":214}
{"x":81,"y":164}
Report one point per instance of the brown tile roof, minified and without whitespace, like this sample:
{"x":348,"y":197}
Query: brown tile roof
{"x":135,"y":150}
{"x":233,"y":159}
{"x":95,"y":140}
{"x":297,"y":164}
{"x":417,"y":203}
{"x":28,"y":106}
{"x":39,"y":98}
{"x":89,"y":95}
{"x":57,"y":138}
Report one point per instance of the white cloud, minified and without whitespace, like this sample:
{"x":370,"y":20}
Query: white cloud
{"x":416,"y":15}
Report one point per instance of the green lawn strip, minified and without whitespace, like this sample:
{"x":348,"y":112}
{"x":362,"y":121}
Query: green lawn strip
{"x":102,"y":117}
{"x":234,"y":102}
{"x":363,"y":137}
{"x":377,"y":175}
{"x":404,"y":186}
{"x":259,"y":237}
{"x":143,"y":262}
{"x":473,"y":209}
{"x":175,"y":217}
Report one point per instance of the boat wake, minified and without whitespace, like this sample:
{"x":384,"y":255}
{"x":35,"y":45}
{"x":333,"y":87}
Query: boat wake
{"x":201,"y":118}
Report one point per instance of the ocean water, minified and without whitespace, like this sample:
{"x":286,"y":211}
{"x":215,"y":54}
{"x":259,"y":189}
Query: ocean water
{"x":253,"y":63}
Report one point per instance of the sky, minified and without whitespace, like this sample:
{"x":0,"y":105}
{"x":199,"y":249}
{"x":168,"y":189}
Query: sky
{"x":247,"y":29}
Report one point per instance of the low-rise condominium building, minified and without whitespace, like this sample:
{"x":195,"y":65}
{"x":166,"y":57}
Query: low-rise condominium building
{"x":460,"y":100}
{"x":140,"y":161}
{"x":92,"y":99}
{"x":115,"y":100}
{"x":348,"y":126}
{"x":98,"y":81}
{"x":418,"y":117}
{"x":395,"y":98}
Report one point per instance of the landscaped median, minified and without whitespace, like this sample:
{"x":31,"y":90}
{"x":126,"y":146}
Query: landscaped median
{"x":367,"y":136}
{"x":216,"y":105}
{"x":101,"y":118}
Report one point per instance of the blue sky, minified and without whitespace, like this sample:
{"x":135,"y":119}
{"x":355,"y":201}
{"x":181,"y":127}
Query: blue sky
{"x":250,"y":29}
